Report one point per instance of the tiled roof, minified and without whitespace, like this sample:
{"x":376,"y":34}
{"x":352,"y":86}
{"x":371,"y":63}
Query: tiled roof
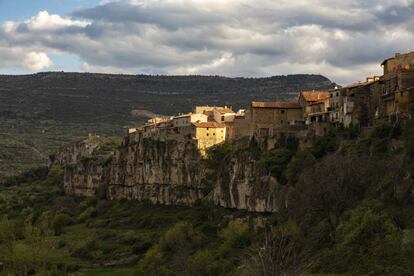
{"x":313,"y":96}
{"x":209,"y":125}
{"x":276,"y":104}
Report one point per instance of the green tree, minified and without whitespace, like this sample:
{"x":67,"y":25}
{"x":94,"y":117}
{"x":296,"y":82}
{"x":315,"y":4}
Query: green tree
{"x":300,"y":161}
{"x":30,"y":253}
{"x":275,"y":162}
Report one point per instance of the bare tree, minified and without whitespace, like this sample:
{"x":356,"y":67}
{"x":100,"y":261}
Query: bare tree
{"x":279,"y":253}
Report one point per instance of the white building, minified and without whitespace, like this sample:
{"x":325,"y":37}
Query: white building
{"x":187,"y":119}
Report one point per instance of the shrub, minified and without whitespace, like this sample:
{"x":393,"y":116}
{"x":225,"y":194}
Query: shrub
{"x":200,"y":263}
{"x":88,"y":213}
{"x":408,"y":137}
{"x":153,"y":263}
{"x":218,"y":155}
{"x":324,"y":145}
{"x":61,"y":220}
{"x":236,"y":234}
{"x":300,"y":161}
{"x":275,"y":162}
{"x":55,"y":176}
{"x":359,"y":237}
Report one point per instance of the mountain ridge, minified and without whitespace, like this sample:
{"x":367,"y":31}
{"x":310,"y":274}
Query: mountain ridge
{"x":50,"y":109}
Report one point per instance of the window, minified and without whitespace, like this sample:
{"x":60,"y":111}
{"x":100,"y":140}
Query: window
{"x":282,"y":111}
{"x":281,"y":121}
{"x":214,"y":134}
{"x":222,"y":118}
{"x":337,"y":94}
{"x":207,"y":134}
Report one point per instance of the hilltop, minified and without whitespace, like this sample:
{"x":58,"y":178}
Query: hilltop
{"x":41,"y":112}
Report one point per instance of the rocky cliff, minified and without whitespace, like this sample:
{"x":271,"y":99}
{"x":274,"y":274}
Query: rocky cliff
{"x":173,"y":173}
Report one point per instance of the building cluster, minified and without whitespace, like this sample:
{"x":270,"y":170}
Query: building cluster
{"x":388,"y":97}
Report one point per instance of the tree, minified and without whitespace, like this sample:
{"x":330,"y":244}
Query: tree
{"x":278,"y":253}
{"x":276,"y":162}
{"x":29,"y":254}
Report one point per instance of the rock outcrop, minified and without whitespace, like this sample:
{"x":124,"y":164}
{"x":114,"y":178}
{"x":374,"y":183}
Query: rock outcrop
{"x":173,"y":173}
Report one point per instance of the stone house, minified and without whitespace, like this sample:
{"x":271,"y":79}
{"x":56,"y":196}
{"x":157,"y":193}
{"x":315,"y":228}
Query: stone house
{"x":239,"y":127}
{"x":271,"y":118}
{"x":399,"y":61}
{"x":311,"y":100}
{"x":208,"y":134}
{"x":397,"y":93}
{"x":352,"y":104}
{"x":224,"y":115}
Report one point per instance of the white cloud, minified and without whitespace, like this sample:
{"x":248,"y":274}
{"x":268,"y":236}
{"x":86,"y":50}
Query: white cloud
{"x":342,"y":40}
{"x":44,"y":21}
{"x":36,"y":61}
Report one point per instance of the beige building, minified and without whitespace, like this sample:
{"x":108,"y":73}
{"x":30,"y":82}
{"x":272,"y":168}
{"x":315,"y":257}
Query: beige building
{"x":186,"y":120}
{"x":208,"y":134}
{"x":311,"y":100}
{"x":224,"y":115}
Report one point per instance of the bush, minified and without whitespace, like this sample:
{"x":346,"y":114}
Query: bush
{"x":55,"y":176}
{"x":236,"y":234}
{"x":88,"y":213}
{"x":408,"y":137}
{"x":153,"y":263}
{"x":324,"y":145}
{"x":360,"y":237}
{"x":288,"y":142}
{"x":300,"y":161}
{"x":61,"y":220}
{"x":218,"y":155}
{"x":201,"y":262}
{"x":275,"y":162}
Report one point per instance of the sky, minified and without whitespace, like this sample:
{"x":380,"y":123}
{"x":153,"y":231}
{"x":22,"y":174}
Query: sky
{"x":343,"y":40}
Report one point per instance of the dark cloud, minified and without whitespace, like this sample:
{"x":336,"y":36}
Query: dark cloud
{"x":166,"y":15}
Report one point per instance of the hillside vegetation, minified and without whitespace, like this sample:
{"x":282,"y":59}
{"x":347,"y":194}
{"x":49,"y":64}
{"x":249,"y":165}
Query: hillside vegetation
{"x":348,"y":209}
{"x":41,"y":112}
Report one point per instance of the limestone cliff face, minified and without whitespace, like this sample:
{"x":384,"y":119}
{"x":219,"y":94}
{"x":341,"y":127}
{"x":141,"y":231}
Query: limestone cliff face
{"x":163,"y":172}
{"x":173,"y":173}
{"x":85,"y":178}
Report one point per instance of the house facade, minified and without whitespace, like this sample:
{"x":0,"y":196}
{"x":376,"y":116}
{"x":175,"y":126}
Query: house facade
{"x":208,"y":134}
{"x":270,"y":118}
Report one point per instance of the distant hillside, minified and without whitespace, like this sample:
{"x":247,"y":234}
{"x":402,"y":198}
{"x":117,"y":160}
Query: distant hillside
{"x":41,"y":112}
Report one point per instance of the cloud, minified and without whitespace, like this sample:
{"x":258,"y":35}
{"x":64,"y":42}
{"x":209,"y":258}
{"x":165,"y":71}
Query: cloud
{"x":44,"y":21}
{"x":342,"y":40}
{"x":36,"y":61}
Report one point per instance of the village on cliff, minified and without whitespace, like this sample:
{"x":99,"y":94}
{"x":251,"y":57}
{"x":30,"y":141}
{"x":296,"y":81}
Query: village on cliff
{"x":386,"y":97}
